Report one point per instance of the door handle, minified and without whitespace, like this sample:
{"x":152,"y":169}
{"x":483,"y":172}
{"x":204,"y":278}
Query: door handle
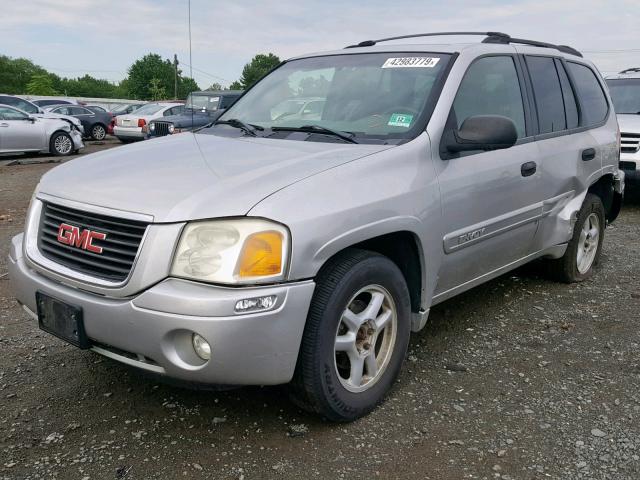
{"x":529,"y":168}
{"x":4,"y":124}
{"x":588,"y":154}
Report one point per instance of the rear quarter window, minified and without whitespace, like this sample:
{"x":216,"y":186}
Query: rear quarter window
{"x":590,"y":94}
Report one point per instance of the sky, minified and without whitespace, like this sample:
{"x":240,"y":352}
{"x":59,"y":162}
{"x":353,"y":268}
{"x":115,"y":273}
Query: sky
{"x":103,"y":38}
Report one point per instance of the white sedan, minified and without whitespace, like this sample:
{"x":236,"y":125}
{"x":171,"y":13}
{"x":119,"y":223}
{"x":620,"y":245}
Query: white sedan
{"x":132,"y":127}
{"x":21,"y":132}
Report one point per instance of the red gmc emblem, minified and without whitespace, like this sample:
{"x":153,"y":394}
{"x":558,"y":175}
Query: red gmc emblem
{"x":71,"y":235}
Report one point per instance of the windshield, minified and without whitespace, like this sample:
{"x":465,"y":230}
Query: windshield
{"x":625,"y":94}
{"x":203,"y":102}
{"x":149,"y":109}
{"x":376,"y":96}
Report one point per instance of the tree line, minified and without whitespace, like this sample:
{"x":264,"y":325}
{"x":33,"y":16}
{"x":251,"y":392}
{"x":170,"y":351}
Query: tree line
{"x":148,"y":78}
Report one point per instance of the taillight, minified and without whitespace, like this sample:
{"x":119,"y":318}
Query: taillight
{"x":141,"y":122}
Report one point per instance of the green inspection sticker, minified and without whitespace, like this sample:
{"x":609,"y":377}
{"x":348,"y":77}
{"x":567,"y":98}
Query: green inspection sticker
{"x":400,"y":120}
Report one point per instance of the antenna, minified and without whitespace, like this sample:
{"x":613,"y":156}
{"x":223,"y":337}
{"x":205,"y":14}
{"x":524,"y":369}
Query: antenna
{"x":190,"y":59}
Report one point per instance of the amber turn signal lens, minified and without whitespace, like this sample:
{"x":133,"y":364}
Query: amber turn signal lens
{"x":261,"y":255}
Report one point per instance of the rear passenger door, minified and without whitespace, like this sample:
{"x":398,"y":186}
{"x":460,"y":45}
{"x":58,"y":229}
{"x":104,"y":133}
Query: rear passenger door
{"x":570,"y":154}
{"x":491,"y":202}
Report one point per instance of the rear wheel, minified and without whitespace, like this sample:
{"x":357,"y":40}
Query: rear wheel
{"x":61,"y":144}
{"x":356,"y":336}
{"x":585,"y":247}
{"x":98,"y":132}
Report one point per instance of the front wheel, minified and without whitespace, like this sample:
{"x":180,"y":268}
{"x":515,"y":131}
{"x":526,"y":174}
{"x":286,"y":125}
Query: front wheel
{"x":61,"y":144}
{"x":356,"y":336}
{"x":585,"y":246}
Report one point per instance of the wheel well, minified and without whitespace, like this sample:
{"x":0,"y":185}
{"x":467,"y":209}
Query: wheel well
{"x":403,"y":250}
{"x":604,"y":188}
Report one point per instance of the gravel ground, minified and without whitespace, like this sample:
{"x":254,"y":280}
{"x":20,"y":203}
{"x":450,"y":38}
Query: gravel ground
{"x":520,"y":378}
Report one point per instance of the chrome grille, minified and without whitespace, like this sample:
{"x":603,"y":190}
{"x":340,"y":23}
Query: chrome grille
{"x":119,"y":247}
{"x":630,"y":142}
{"x":161,"y":129}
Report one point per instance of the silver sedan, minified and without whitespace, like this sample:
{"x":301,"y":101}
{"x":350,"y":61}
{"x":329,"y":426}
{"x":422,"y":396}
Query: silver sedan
{"x":21,"y":132}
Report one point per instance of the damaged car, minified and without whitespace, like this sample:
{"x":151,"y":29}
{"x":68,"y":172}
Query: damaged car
{"x":22,"y":133}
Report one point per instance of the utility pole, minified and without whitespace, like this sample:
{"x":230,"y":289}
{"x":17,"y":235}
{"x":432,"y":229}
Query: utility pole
{"x":175,"y":78}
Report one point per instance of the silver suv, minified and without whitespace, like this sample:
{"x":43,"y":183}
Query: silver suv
{"x":270,"y":249}
{"x":624,"y":89}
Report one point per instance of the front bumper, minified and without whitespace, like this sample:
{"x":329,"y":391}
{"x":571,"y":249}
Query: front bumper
{"x":152,"y":330}
{"x":630,"y":164}
{"x":76,"y":136}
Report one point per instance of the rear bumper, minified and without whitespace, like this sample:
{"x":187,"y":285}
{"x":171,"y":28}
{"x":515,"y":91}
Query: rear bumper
{"x":153,"y":329}
{"x":632,"y":177}
{"x":128,"y":132}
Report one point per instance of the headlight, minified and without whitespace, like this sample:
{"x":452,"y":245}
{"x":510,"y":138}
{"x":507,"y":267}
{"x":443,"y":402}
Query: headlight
{"x":152,"y":126}
{"x":237,"y":251}
{"x":171,"y":128}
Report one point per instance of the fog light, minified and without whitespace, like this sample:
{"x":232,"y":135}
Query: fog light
{"x":201,"y":346}
{"x":255,"y":304}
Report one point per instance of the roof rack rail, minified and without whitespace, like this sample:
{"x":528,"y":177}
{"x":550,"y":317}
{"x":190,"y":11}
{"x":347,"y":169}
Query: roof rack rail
{"x":491,"y":37}
{"x":630,"y":70}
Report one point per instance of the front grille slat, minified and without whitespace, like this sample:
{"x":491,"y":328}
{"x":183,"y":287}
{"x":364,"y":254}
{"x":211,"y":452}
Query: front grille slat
{"x":161,"y":129}
{"x":119,"y":248}
{"x":629,"y":142}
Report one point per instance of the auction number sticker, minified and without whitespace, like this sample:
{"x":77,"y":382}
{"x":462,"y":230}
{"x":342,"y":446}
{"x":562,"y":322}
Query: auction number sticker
{"x":400,"y":120}
{"x":411,"y":62}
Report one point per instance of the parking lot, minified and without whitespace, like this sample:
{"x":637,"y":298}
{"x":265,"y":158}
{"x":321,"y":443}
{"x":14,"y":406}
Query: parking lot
{"x":520,"y":378}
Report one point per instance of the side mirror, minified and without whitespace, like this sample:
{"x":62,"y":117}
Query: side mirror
{"x":482,"y":132}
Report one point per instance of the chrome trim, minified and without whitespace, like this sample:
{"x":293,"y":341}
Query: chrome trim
{"x":128,"y":361}
{"x":89,"y":208}
{"x":32,"y":252}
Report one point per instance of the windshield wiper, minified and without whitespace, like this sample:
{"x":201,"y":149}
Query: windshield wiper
{"x":247,"y":128}
{"x":346,"y":136}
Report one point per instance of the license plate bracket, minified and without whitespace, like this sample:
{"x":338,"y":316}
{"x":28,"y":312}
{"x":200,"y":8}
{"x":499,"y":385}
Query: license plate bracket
{"x":61,"y":319}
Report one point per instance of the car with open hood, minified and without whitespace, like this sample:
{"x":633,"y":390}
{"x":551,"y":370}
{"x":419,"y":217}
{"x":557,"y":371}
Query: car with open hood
{"x":36,"y":111}
{"x":304,"y":249}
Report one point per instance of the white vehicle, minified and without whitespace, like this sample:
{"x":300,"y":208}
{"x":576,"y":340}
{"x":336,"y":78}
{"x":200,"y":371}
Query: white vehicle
{"x":624,"y":88}
{"x":131,"y":127}
{"x":21,"y":132}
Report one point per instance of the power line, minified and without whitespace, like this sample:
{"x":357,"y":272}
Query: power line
{"x":207,"y":73}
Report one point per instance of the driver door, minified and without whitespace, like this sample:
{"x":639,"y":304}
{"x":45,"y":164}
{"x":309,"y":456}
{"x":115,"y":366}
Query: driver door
{"x":19,"y":132}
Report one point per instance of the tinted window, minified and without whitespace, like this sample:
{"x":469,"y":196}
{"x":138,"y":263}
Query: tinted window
{"x":80,"y":111}
{"x":592,"y":99}
{"x":547,"y":93}
{"x":491,"y":87}
{"x":19,"y":103}
{"x":570,"y":105}
{"x":62,"y":110}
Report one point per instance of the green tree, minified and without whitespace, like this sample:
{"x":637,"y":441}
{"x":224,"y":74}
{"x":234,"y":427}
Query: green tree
{"x":187,"y":85}
{"x":253,"y":71}
{"x":15,"y":73}
{"x":41,"y":84}
{"x":215,"y":86}
{"x":156,"y":90}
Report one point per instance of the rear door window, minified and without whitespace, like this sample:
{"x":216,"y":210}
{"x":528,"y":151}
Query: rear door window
{"x":570,"y":104}
{"x":491,"y":87}
{"x":548,"y":94}
{"x":591,"y":96}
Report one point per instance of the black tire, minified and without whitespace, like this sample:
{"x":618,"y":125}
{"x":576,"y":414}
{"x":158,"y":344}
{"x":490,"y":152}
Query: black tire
{"x":98,"y":131}
{"x":59,"y":143}
{"x":316,"y":386}
{"x":565,"y":269}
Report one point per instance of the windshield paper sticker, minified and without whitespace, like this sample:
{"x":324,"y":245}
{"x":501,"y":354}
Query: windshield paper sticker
{"x":400,"y":120}
{"x":411,"y":62}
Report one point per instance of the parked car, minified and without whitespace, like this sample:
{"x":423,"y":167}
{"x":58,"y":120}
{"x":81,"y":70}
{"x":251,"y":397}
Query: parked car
{"x":34,"y":110}
{"x":132,"y":127}
{"x":624,"y":89}
{"x":94,"y":123}
{"x":98,"y":109}
{"x":55,"y":101}
{"x":257,"y":251}
{"x":200,"y":108}
{"x":21,"y":133}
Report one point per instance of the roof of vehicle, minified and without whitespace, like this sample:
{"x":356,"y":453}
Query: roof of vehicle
{"x":628,"y":73}
{"x":494,"y":42}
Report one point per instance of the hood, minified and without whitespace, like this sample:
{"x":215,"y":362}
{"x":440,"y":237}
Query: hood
{"x":57,"y":116}
{"x":629,"y":123}
{"x":195,"y":176}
